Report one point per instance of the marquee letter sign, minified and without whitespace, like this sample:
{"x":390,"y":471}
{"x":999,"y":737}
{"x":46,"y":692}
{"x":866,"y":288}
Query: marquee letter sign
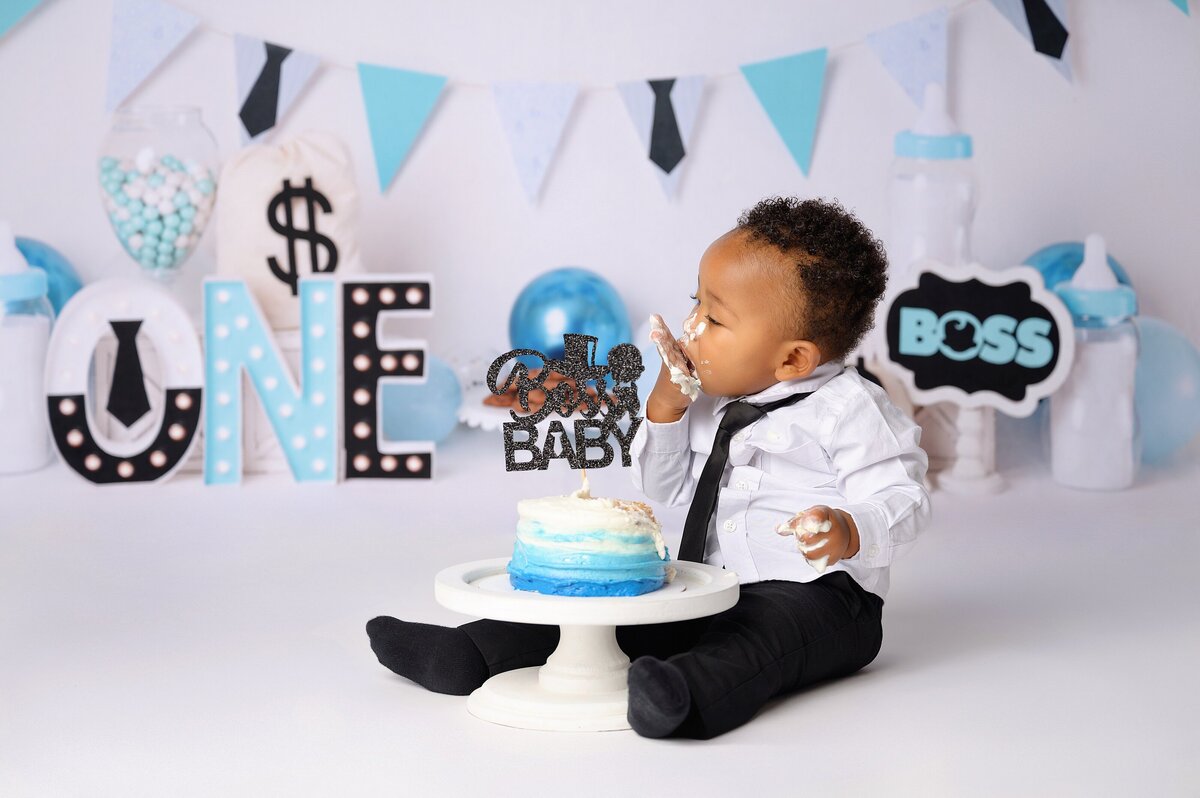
{"x":978,"y":337}
{"x":128,"y":308}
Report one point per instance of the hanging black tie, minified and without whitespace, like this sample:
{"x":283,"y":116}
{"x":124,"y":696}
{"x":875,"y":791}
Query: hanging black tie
{"x":127,"y":400}
{"x":666,"y":145}
{"x":1048,"y":32}
{"x":704,"y":502}
{"x":262,"y":103}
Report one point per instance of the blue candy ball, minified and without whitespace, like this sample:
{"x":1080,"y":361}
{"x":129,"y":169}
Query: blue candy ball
{"x":61,"y":275}
{"x":1167,"y":389}
{"x":426,"y":412}
{"x":567,"y":300}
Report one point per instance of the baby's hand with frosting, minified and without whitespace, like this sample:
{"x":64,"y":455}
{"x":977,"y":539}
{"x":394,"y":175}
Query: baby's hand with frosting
{"x":823,"y":534}
{"x":679,"y":365}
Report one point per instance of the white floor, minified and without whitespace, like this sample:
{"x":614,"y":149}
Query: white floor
{"x":183,"y":640}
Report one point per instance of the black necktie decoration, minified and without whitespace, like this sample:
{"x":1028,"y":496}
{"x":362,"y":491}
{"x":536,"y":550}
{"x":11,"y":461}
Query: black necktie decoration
{"x":666,"y":145}
{"x":261,"y":107}
{"x":1048,"y":32}
{"x":737,"y":416}
{"x":127,"y":400}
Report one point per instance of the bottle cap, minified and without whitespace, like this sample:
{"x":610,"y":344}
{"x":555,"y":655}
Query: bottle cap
{"x":1094,"y":293}
{"x":18,"y":281}
{"x":934,"y":136}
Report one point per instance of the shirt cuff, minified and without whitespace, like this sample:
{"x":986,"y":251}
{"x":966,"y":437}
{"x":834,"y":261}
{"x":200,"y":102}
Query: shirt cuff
{"x":874,"y":535}
{"x":666,"y":438}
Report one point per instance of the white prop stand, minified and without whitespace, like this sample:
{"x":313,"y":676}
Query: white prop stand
{"x":583,"y":685}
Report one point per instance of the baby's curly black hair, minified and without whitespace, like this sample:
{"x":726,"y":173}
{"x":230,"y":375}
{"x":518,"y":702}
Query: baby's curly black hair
{"x":840,"y":268}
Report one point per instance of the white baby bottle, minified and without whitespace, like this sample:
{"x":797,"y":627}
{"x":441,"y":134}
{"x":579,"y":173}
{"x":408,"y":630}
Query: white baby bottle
{"x":25,"y":319}
{"x":931,"y":190}
{"x":1093,"y":432}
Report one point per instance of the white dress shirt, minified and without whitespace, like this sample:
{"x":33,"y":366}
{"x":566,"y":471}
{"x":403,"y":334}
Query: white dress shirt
{"x":845,"y":446}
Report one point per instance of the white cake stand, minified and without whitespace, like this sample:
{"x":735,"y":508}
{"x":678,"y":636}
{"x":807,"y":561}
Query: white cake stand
{"x":583,"y":685}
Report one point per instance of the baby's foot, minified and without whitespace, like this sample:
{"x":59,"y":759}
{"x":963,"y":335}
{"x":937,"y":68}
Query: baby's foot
{"x":439,"y":658}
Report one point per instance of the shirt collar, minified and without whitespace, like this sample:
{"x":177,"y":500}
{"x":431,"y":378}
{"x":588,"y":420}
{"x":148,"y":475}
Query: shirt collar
{"x":820,"y":375}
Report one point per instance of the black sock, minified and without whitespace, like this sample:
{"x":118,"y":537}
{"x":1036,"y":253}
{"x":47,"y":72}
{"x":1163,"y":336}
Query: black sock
{"x":659,"y":698}
{"x":439,"y":658}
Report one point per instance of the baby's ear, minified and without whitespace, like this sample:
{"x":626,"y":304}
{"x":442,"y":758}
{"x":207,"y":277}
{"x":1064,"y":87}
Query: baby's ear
{"x":800,"y":358}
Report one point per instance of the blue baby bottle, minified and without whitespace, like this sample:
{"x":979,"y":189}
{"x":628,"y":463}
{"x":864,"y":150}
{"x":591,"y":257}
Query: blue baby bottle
{"x":1092,"y":427}
{"x":25,"y":319}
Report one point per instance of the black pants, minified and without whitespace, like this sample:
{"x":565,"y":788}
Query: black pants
{"x":780,"y":636}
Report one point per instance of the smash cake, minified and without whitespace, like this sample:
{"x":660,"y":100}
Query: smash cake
{"x":580,"y":545}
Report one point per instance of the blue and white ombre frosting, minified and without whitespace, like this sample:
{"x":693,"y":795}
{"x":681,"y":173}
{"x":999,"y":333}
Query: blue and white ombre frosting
{"x":577,"y":545}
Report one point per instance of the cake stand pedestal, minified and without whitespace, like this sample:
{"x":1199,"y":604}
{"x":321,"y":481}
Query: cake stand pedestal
{"x":583,"y":685}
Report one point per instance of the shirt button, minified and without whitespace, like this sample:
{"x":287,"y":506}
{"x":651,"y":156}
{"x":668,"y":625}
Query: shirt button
{"x":741,"y":485}
{"x":741,"y":436}
{"x":729,"y":526}
{"x":774,"y":436}
{"x":874,"y":550}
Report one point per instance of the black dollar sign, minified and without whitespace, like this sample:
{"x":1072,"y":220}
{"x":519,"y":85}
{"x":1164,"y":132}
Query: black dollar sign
{"x":286,"y":228}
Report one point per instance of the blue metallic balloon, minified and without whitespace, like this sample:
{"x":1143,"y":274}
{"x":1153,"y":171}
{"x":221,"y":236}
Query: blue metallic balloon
{"x":426,"y":412}
{"x":567,"y":300}
{"x":64,"y":282}
{"x":1168,"y":389}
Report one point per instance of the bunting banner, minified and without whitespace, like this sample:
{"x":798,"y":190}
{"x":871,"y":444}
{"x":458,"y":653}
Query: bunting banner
{"x":914,"y":52}
{"x":789,"y":90}
{"x":13,"y":11}
{"x":144,"y":33}
{"x":664,"y":114}
{"x":534,"y":116}
{"x":398,"y":101}
{"x":1043,"y":23}
{"x":269,"y":79}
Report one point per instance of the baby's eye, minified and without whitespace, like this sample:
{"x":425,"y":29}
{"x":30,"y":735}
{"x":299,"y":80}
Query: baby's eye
{"x":713,"y":321}
{"x":693,"y":297}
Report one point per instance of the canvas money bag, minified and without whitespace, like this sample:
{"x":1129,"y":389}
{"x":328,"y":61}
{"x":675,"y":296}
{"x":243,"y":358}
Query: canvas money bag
{"x":287,"y":212}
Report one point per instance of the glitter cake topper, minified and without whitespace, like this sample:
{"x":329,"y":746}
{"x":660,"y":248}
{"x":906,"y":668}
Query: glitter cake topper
{"x":601,"y":410}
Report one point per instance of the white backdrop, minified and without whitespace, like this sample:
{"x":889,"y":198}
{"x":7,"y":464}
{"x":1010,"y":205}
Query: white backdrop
{"x":1115,"y":153}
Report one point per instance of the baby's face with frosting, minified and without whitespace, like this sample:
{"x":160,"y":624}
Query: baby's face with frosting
{"x":740,"y":336}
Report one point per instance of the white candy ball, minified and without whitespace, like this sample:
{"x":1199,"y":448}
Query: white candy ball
{"x":182,"y":242}
{"x":151,"y":197}
{"x":165,"y":207}
{"x":144,"y":159}
{"x":195,"y":196}
{"x":173,"y":179}
{"x":133,"y":190}
{"x":123,"y":214}
{"x":135,"y":241}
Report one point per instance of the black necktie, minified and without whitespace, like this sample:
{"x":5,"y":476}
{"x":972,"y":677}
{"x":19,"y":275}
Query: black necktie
{"x":704,"y":502}
{"x":666,"y":145}
{"x":262,"y":103}
{"x":127,"y":400}
{"x":1045,"y":28}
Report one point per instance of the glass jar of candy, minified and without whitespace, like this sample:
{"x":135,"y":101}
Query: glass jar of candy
{"x":158,"y":171}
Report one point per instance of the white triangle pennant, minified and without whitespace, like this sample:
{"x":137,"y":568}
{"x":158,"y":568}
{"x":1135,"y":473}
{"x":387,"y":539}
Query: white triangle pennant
{"x":1014,"y":12}
{"x":250,"y":56}
{"x":685,"y":99}
{"x":534,"y":116}
{"x":914,"y":52}
{"x":144,"y":33}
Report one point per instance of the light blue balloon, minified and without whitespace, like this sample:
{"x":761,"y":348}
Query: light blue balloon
{"x":426,"y":412}
{"x":567,"y":300}
{"x":1168,"y":389}
{"x":60,"y":274}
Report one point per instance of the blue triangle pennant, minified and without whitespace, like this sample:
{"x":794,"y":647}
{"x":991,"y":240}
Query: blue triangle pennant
{"x":1182,"y":5}
{"x":14,"y":11}
{"x":144,"y":33}
{"x":914,"y":52}
{"x":789,"y":89}
{"x":398,"y":101}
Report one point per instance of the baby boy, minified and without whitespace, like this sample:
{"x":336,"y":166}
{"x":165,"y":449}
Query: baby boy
{"x":801,"y":477}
